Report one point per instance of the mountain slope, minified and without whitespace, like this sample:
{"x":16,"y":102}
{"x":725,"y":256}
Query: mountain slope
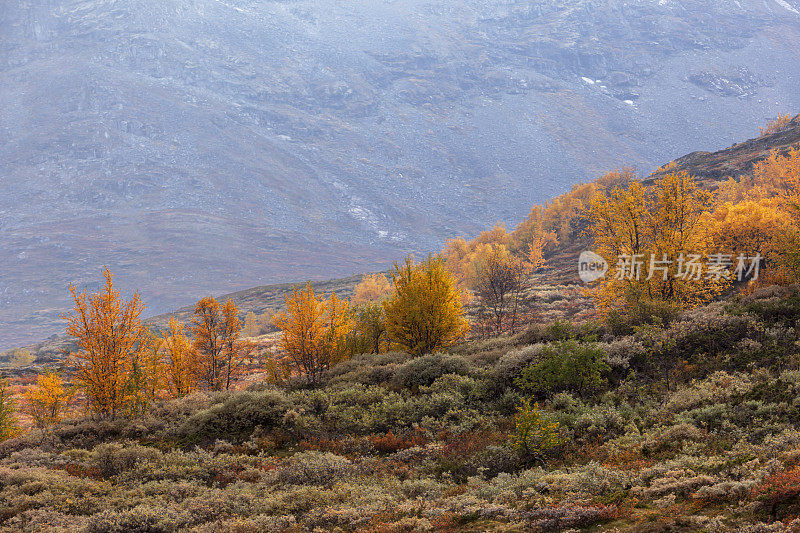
{"x":739,"y":158}
{"x":199,"y":146}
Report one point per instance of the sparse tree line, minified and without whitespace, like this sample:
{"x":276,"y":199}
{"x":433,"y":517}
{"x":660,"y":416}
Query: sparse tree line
{"x":120,"y":367}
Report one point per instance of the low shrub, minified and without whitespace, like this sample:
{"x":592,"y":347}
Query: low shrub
{"x":566,"y":366}
{"x":535,"y":437}
{"x":424,"y":370}
{"x":236,"y":416}
{"x":315,"y":468}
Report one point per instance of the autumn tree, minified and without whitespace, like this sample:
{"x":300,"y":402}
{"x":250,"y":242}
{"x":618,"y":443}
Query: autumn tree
{"x":635,"y":227}
{"x":217,"y":346}
{"x":314,"y":331}
{"x":564,"y":218}
{"x":503,"y":278}
{"x":9,"y":425}
{"x":48,"y":400}
{"x":424,"y":313}
{"x":776,"y":176}
{"x":146,"y":379}
{"x":775,"y":125}
{"x":760,"y":213}
{"x":110,"y":339}
{"x":337,"y":325}
{"x":753,"y":226}
{"x":369,"y":329}
{"x":373,"y":288}
{"x":180,"y":362}
{"x":234,"y":349}
{"x":462,"y":258}
{"x":257,"y":324}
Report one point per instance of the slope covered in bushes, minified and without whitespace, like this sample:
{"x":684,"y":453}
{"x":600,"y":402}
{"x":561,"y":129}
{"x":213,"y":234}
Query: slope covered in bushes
{"x":692,"y":425}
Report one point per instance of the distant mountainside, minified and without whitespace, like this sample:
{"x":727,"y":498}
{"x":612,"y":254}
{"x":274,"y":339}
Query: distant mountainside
{"x":199,"y":146}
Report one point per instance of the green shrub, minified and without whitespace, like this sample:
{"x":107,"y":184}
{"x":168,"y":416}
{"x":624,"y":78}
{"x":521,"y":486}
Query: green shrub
{"x":510,"y":367}
{"x":599,"y":423}
{"x":369,"y":369}
{"x":641,"y":311}
{"x":114,"y":458}
{"x":236,"y":417}
{"x":566,"y":366}
{"x":423,"y":371}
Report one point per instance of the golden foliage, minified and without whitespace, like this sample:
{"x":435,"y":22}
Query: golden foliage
{"x":653,"y":224}
{"x":110,"y":339}
{"x":775,"y":125}
{"x":218,"y":349}
{"x":424,"y":313}
{"x":777,"y":176}
{"x":9,"y":425}
{"x":314,"y":330}
{"x":207,"y":345}
{"x":47,"y":401}
{"x":257,"y":324}
{"x":372,"y":288}
{"x":465,"y":259}
{"x":180,"y":366}
{"x":563,"y":218}
{"x":751,"y":226}
{"x":761,"y":214}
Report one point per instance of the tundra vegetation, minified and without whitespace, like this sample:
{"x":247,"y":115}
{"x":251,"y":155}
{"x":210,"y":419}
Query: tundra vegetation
{"x":436,"y":400}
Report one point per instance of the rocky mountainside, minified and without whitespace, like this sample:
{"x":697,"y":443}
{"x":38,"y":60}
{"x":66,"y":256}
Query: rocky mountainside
{"x":199,"y":146}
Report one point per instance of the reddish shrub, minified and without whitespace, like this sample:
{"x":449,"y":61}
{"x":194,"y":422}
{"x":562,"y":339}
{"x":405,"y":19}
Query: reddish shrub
{"x":390,"y":443}
{"x":779,"y":489}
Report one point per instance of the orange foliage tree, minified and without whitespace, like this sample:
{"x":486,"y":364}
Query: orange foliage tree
{"x":110,"y":338}
{"x":218,"y":348}
{"x":180,"y":365}
{"x":564,"y":217}
{"x":372,"y":288}
{"x":425,"y":313}
{"x":314,"y":330}
{"x":207,"y":345}
{"x":752,"y":226}
{"x":634,"y":227}
{"x":234,"y":349}
{"x":48,"y":400}
{"x":464,"y":259}
{"x":775,"y":125}
{"x":761,"y":214}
